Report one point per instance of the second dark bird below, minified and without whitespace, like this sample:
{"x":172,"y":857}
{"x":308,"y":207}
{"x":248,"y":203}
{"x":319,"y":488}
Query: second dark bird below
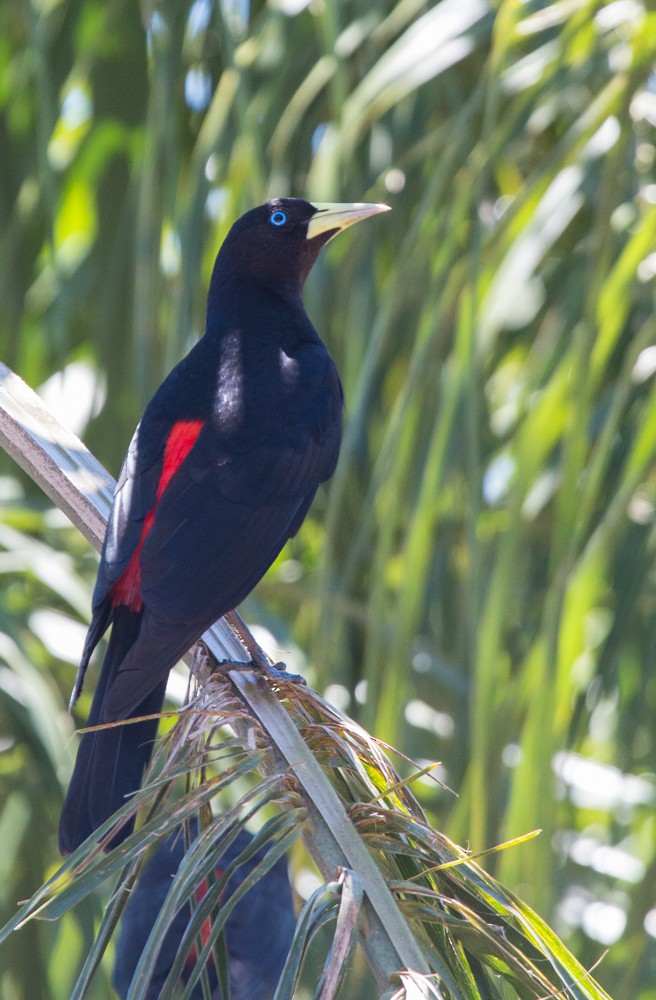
{"x":220,"y":473}
{"x":259,"y":930}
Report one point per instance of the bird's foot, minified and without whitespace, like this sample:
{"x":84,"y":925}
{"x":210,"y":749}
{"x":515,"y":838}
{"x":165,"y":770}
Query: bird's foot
{"x":273,"y":671}
{"x":279,"y":672}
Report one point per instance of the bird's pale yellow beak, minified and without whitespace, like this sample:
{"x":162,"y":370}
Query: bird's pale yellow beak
{"x":337,"y":217}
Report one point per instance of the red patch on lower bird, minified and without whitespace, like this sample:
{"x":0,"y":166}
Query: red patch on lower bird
{"x":181,"y":439}
{"x":206,"y":929}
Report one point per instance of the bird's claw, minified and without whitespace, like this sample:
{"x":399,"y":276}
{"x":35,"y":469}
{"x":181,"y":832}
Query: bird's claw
{"x":279,"y":672}
{"x":273,"y":671}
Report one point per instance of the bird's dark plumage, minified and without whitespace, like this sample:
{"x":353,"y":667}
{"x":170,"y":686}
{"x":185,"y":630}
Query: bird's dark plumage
{"x":259,"y":930}
{"x":219,"y":474}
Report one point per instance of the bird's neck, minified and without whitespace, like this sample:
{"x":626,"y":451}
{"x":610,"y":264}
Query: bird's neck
{"x":237,"y":302}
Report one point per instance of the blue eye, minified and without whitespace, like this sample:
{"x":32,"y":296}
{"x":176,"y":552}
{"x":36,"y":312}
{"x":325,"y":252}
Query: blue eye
{"x":278,"y":218}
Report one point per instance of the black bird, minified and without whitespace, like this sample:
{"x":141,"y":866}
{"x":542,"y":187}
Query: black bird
{"x":220,"y":473}
{"x":258,"y":932}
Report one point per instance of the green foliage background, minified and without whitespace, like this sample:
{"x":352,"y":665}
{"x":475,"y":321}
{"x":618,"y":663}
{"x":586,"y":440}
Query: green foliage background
{"x":476,"y":584}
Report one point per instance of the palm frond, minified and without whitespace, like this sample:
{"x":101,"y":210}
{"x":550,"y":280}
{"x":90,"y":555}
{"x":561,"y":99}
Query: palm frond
{"x":422,"y":909}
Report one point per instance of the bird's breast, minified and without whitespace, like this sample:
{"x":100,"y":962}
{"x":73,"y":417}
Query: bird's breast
{"x":229,"y":398}
{"x":289,"y":369}
{"x":262,"y":388}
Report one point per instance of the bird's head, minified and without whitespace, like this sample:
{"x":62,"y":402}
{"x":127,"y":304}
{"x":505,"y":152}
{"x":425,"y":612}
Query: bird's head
{"x":277,"y":243}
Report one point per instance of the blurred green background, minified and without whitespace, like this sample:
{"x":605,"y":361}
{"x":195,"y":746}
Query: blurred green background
{"x":476,"y":585}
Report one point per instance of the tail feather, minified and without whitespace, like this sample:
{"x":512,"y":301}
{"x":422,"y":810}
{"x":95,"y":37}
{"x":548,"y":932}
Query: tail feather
{"x":110,"y":763}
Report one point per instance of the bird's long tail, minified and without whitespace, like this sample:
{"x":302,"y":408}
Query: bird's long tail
{"x":110,"y":763}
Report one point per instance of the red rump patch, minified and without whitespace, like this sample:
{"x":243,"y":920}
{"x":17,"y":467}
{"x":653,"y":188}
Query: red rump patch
{"x":127,"y":589}
{"x":206,"y":929}
{"x":178,"y":445}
